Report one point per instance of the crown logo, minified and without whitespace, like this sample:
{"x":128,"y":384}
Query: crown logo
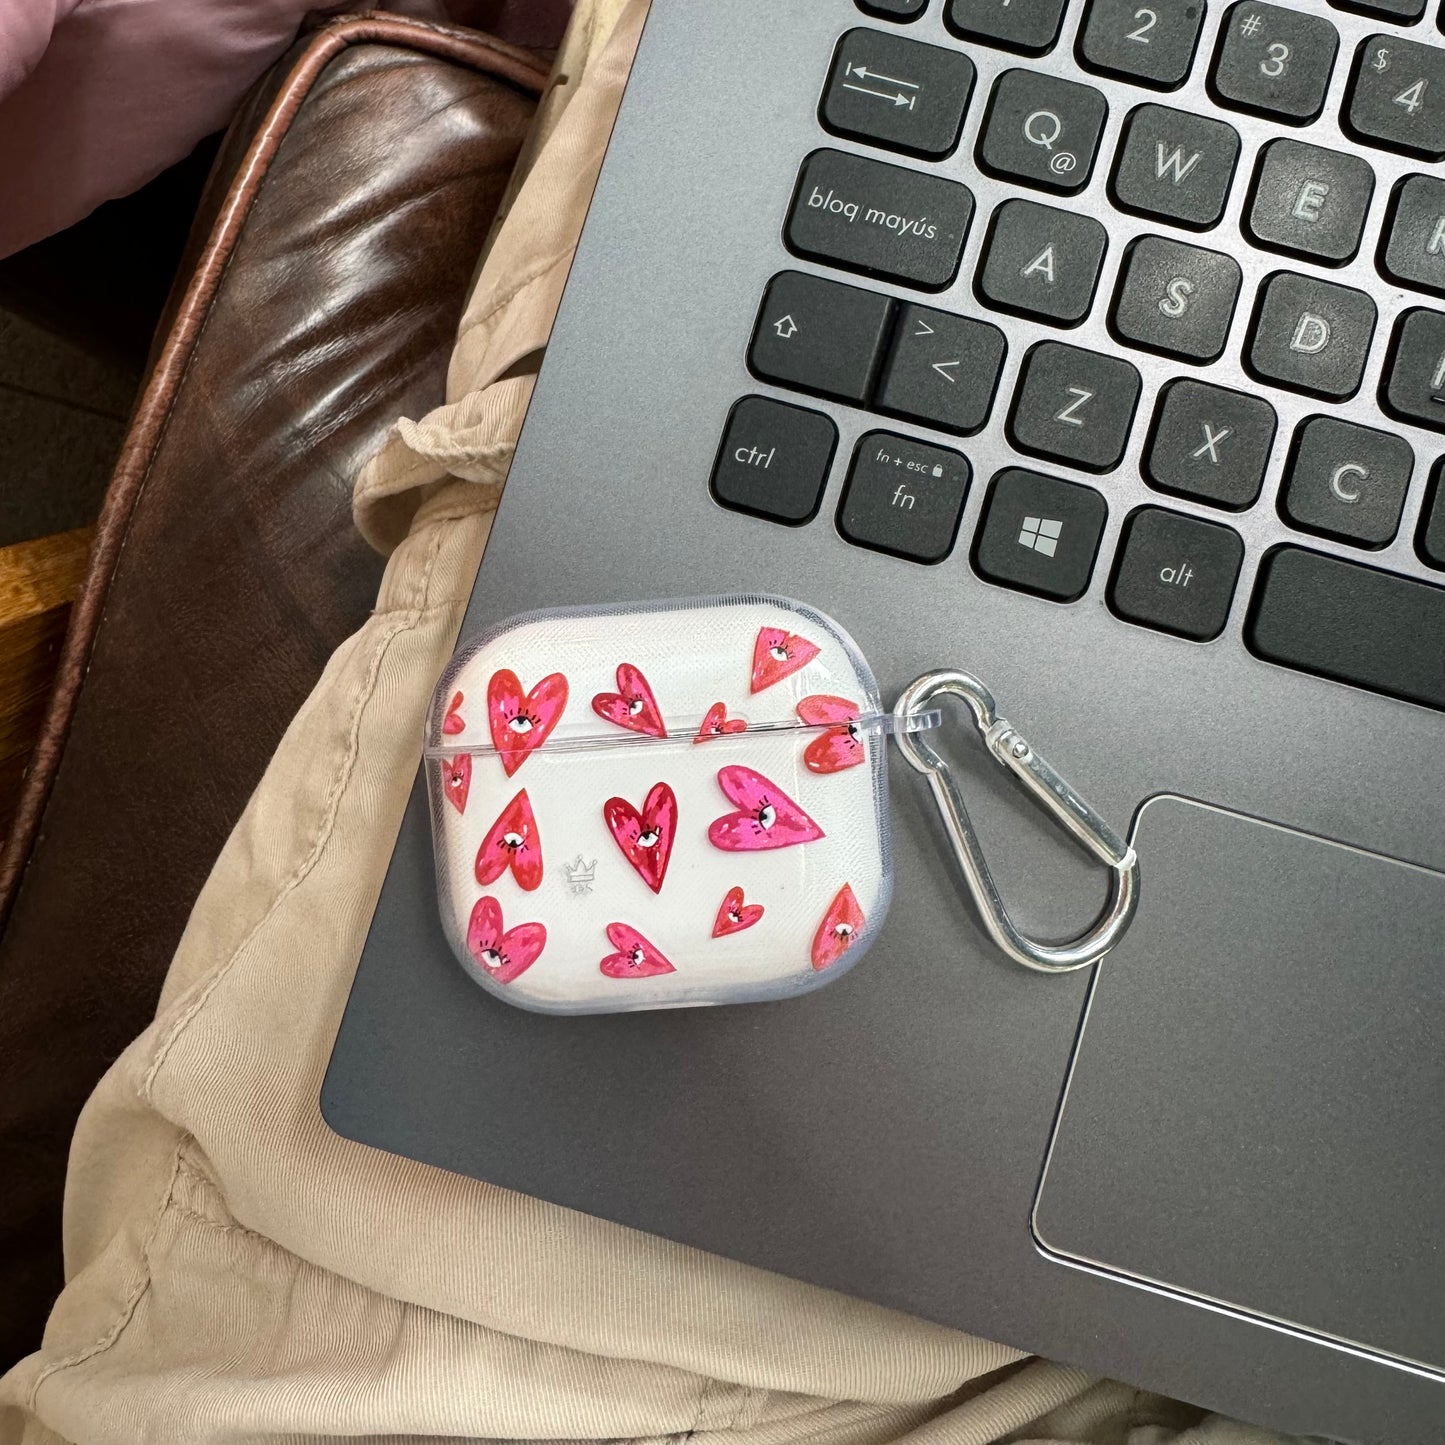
{"x":580,"y":875}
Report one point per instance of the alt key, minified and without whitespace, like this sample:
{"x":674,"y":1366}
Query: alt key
{"x":1176,"y":573}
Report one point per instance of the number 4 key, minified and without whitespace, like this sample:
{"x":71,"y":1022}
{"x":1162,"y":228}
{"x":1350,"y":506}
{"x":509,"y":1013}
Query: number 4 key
{"x":1397,"y":96}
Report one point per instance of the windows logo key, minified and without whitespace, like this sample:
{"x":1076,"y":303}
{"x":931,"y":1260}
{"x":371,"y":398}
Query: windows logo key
{"x":1041,"y":533}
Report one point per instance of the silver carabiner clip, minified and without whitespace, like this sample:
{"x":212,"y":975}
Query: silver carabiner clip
{"x":1011,"y":749}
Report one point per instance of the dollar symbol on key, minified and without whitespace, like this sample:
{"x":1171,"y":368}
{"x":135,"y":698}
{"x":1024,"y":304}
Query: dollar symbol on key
{"x":1381,"y":61}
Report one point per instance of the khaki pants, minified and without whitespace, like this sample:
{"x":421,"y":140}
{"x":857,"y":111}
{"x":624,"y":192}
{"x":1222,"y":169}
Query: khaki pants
{"x":239,"y":1273}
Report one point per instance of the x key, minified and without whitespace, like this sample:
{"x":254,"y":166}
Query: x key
{"x":1210,"y":444}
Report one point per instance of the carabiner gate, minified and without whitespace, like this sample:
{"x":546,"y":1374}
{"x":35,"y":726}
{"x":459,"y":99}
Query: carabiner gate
{"x":1075,"y":815}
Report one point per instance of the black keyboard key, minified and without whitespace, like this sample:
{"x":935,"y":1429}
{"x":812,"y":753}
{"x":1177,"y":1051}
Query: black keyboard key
{"x":1039,"y":534}
{"x":1175,"y":299}
{"x":901,"y":10}
{"x":1027,"y":27}
{"x":1150,"y":43}
{"x":1210,"y":443}
{"x":941,"y":370}
{"x":865,"y":215}
{"x":1042,"y":131}
{"x":1414,"y":249}
{"x":1074,"y":406}
{"x":1347,"y":481}
{"x":773,"y":460}
{"x":1397,"y":96}
{"x":1175,"y":165}
{"x":1274,"y":61}
{"x":1431,"y":541}
{"x":1310,"y":201}
{"x":1414,"y":388}
{"x":1175,"y":573}
{"x":1406,"y":12}
{"x":1353,"y":623}
{"x":820,"y":335}
{"x":903,"y":497}
{"x":1311,"y":336}
{"x":1040,"y":261}
{"x":897,"y":92}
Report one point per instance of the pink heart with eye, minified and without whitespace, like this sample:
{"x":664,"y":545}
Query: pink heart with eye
{"x":457,"y":780}
{"x":452,"y":723}
{"x":502,"y":953}
{"x":840,"y":746}
{"x":520,"y":721}
{"x":766,"y":818}
{"x":632,"y":706}
{"x":718,"y":724}
{"x":778,"y":654}
{"x":839,"y":929}
{"x":734,"y":915}
{"x":512,"y":842}
{"x":635,"y":956}
{"x":645,"y":837}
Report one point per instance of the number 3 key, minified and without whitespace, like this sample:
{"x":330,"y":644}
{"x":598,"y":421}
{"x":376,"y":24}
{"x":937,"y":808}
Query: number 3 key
{"x":1397,"y":96}
{"x":1274,"y":61}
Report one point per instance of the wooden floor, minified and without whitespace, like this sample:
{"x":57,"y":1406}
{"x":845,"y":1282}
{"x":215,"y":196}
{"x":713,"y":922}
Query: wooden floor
{"x":38,"y":582}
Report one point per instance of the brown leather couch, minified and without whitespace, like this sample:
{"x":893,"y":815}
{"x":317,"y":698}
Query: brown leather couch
{"x":318,"y":301}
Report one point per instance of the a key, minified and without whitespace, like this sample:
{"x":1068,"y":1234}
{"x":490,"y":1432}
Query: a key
{"x":1210,"y":444}
{"x":1414,"y":251}
{"x":1027,"y":27}
{"x":1151,"y":43}
{"x":1404,"y":11}
{"x":941,"y":370}
{"x":1431,"y":542}
{"x":1397,"y":96}
{"x":1175,"y":299}
{"x":903,"y":497}
{"x":1041,"y":261}
{"x":1039,"y":534}
{"x":897,"y":92}
{"x":1175,"y":165}
{"x":1074,"y":406}
{"x":1311,"y":336}
{"x":865,"y":215}
{"x":1347,"y":481}
{"x":1414,"y":388}
{"x":1042,"y":131}
{"x":1274,"y":61}
{"x":1310,"y":201}
{"x":1175,"y":573}
{"x":901,"y":10}
{"x":1353,"y":623}
{"x":819,"y":335}
{"x":773,"y":460}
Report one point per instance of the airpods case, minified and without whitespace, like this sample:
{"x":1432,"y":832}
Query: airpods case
{"x":661,"y":805}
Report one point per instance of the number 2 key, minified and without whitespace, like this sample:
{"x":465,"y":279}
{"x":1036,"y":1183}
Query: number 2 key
{"x":1274,"y":61}
{"x":1397,"y":96}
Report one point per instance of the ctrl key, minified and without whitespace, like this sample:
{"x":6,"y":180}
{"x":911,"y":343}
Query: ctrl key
{"x":773,"y":460}
{"x":1176,"y":573}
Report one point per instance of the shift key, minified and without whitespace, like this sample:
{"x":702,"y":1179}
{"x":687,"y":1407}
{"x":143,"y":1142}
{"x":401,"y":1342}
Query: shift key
{"x":880,"y":219}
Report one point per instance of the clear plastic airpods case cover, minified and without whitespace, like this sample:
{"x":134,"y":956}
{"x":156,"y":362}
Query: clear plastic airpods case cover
{"x":661,"y":805}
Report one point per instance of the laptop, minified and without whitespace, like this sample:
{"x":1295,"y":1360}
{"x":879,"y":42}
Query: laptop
{"x":1160,"y":286}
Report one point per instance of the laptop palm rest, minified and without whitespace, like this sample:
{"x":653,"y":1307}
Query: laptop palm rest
{"x":1254,"y":1119}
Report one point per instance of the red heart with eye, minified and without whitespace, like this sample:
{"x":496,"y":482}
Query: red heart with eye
{"x":778,"y":654}
{"x":767,"y":816}
{"x":512,"y":842}
{"x":453,"y":723}
{"x":520,"y":722}
{"x":502,"y":953}
{"x":457,"y":780}
{"x":632,"y":706}
{"x":645,"y":837}
{"x":735,"y":915}
{"x":839,"y":747}
{"x":635,"y":956}
{"x":718,"y":724}
{"x":839,"y":929}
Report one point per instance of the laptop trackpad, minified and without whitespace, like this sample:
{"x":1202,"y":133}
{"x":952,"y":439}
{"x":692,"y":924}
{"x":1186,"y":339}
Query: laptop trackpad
{"x":1256,"y":1113}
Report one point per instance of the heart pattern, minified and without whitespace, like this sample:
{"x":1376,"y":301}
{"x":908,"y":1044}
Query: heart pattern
{"x":452,"y":723}
{"x":645,"y":837}
{"x":503,"y":953}
{"x":718,"y":724}
{"x":520,"y":722}
{"x":457,"y":780}
{"x":635,"y":956}
{"x":734,"y":915}
{"x":512,"y":842}
{"x":839,"y":746}
{"x":838,"y":931}
{"x":766,"y":818}
{"x":778,"y":654}
{"x":632,"y":706}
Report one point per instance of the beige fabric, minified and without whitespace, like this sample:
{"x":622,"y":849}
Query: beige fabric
{"x":239,"y":1273}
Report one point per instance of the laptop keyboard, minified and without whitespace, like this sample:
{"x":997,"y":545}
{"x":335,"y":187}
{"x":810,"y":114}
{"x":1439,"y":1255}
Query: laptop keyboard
{"x":921,"y":120}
